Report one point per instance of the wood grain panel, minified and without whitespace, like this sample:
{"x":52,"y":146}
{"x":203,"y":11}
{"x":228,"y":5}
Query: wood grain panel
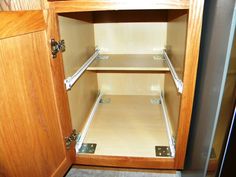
{"x":124,"y":16}
{"x":57,"y":72}
{"x":98,"y":5}
{"x":127,"y":162}
{"x":17,"y":23}
{"x":14,"y":5}
{"x":79,"y":39}
{"x":30,"y":134}
{"x":189,"y":79}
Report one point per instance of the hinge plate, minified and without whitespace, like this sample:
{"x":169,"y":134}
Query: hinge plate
{"x":57,"y":47}
{"x":163,"y":151}
{"x":88,"y":148}
{"x":71,"y":138}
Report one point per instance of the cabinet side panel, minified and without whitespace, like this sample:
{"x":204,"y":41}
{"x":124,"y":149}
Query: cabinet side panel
{"x":79,"y":39}
{"x":189,"y":79}
{"x":176,"y":39}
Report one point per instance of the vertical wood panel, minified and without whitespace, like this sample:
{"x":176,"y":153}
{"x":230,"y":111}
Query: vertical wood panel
{"x":57,"y":72}
{"x":189,"y":79}
{"x":30,"y":133}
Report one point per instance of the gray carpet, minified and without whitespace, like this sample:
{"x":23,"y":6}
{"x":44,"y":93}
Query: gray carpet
{"x":76,"y":172}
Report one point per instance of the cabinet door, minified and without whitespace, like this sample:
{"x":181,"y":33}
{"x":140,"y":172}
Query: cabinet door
{"x":31,"y":124}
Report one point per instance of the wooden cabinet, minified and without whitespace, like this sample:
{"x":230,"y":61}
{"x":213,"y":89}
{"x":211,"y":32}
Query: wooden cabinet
{"x":128,"y":102}
{"x":31,"y":122}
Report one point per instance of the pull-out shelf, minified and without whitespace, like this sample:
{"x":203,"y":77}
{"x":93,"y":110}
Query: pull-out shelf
{"x":129,"y":62}
{"x":128,"y":125}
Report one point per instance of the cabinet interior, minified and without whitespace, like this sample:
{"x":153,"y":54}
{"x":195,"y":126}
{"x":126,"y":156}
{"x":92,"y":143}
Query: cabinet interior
{"x":130,"y":73}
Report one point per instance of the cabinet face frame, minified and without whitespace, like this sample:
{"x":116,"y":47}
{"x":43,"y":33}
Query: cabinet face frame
{"x":195,"y":12}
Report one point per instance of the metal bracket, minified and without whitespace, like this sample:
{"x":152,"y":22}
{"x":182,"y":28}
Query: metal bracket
{"x":178,"y":82}
{"x":71,"y":138}
{"x":168,"y":127}
{"x":88,"y":148}
{"x":163,"y":151}
{"x":103,"y":57}
{"x":57,"y":47}
{"x":69,"y":82}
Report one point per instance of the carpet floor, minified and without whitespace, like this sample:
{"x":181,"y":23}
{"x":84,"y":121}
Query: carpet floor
{"x":78,"y":172}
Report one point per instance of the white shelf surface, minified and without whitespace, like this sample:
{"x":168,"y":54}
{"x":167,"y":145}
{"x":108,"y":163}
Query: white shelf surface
{"x":128,"y":126}
{"x":130,"y":62}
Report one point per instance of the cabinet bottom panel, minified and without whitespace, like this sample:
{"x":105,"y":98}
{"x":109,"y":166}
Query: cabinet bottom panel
{"x":128,"y":125}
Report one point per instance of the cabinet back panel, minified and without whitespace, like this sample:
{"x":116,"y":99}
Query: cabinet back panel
{"x":176,"y":39}
{"x":79,"y":40}
{"x":130,"y":38}
{"x":131,"y":83}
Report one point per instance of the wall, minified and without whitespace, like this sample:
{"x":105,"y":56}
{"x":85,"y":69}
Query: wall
{"x":216,"y":42}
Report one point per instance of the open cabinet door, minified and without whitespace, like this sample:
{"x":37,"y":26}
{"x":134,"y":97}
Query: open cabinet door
{"x":33,"y":120}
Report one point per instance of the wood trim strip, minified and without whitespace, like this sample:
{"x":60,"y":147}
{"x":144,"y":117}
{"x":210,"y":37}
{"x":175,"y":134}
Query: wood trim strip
{"x":190,"y":73}
{"x":128,"y":162}
{"x":16,"y":23}
{"x":96,"y":5}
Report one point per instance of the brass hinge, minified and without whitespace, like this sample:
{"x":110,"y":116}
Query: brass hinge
{"x":73,"y":137}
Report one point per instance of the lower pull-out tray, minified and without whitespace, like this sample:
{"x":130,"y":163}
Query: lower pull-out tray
{"x":128,"y":125}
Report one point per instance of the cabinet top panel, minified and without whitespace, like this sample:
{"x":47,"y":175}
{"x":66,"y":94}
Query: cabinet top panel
{"x":100,"y":5}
